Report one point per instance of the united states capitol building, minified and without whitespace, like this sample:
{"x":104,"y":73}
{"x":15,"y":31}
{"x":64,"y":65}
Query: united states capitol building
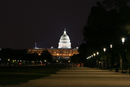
{"x":64,"y":50}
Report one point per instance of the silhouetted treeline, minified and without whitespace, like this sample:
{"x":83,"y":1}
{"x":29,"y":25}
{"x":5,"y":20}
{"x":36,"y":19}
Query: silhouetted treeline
{"x":8,"y":55}
{"x":107,"y":23}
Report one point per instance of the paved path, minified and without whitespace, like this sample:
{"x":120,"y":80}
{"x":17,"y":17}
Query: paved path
{"x":81,"y":77}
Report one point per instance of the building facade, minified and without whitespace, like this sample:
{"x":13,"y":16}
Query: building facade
{"x":64,"y":50}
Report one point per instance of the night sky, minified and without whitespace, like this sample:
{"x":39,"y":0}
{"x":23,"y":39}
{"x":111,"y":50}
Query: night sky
{"x":24,"y":22}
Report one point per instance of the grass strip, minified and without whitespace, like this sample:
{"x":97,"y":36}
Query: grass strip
{"x":12,"y":75}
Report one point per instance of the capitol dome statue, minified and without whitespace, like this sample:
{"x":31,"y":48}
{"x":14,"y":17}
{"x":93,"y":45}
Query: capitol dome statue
{"x":64,"y":42}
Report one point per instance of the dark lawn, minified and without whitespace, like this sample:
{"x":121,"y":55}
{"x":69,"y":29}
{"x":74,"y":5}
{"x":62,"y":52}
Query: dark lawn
{"x":11,"y":75}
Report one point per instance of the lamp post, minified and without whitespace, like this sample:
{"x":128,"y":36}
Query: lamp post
{"x":122,"y":60}
{"x":104,"y":49}
{"x":123,"y":40}
{"x":94,"y":59}
{"x":103,"y":64}
{"x":97,"y":60}
{"x":57,"y":61}
{"x":110,"y":63}
{"x":111,"y":45}
{"x":88,"y":57}
{"x":44,"y":60}
{"x":94,"y":54}
{"x":97,"y":53}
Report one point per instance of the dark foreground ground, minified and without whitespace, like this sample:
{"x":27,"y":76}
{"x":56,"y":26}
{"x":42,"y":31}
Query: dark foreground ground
{"x":12,"y":75}
{"x":80,"y":77}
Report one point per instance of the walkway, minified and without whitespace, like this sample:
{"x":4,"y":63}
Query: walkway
{"x":81,"y":77}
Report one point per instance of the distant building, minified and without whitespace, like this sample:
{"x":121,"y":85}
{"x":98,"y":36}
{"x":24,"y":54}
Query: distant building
{"x":64,"y":50}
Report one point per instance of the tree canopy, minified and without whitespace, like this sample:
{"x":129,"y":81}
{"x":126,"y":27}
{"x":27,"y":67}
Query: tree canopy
{"x":107,"y":23}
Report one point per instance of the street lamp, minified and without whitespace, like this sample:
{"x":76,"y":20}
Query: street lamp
{"x":97,"y":60}
{"x":89,"y":57}
{"x":123,"y":40}
{"x":94,"y":54}
{"x":57,"y":61}
{"x":44,"y":60}
{"x":104,"y":49}
{"x":97,"y":53}
{"x":111,"y":45}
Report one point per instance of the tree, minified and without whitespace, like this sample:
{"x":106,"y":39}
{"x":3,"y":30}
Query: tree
{"x":45,"y":55}
{"x":75,"y":59}
{"x":107,"y":23}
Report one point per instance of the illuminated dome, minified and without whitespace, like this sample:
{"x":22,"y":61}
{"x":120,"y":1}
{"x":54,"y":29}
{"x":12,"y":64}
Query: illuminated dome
{"x":64,"y":41}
